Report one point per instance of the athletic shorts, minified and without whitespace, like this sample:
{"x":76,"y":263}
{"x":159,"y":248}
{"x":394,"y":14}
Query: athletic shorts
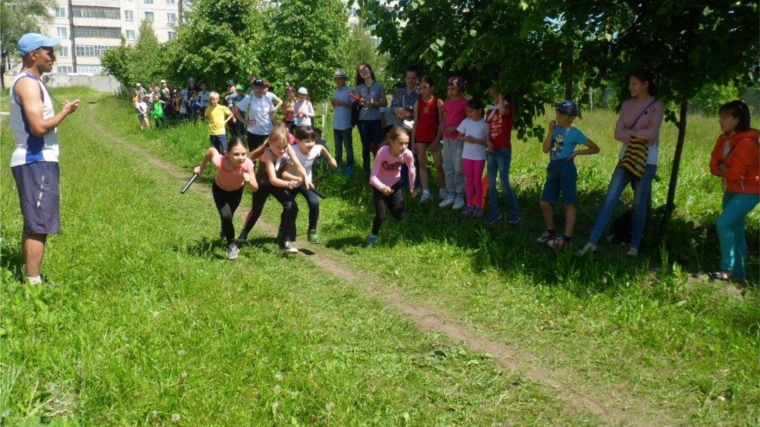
{"x":561,"y":177}
{"x":40,"y":197}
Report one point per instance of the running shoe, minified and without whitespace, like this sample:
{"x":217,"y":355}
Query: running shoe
{"x":288,"y":248}
{"x":513,"y":219}
{"x":548,"y":235}
{"x":314,"y":237}
{"x":468,"y":210}
{"x":371,"y":241}
{"x":589,"y":247}
{"x":458,"y":204}
{"x":233,"y":251}
{"x":448,"y":201}
{"x":558,"y":243}
{"x":425,"y":197}
{"x":477,"y":212}
{"x":493,"y":218}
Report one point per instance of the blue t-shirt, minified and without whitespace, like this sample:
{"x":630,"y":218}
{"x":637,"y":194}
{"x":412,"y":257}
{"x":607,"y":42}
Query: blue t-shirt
{"x":564,"y":142}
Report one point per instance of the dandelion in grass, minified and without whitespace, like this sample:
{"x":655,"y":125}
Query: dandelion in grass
{"x":275,"y":405}
{"x":278,"y":377}
{"x":154,"y":414}
{"x":277,"y":389}
{"x":175,"y":418}
{"x":184,"y":375}
{"x":329,"y":406}
{"x":181,"y":352}
{"x":156,"y":314}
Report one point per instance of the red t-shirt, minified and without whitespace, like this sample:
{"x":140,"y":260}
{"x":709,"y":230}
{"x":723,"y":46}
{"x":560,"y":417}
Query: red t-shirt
{"x":427,"y":120}
{"x":501,"y":127}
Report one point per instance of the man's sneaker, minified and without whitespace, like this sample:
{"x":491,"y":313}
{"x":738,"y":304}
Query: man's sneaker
{"x":633,"y":252}
{"x":548,"y":235}
{"x":558,"y":243}
{"x":589,"y":247}
{"x":242,"y":239}
{"x":288,"y":248}
{"x":477,"y":211}
{"x":233,"y":251}
{"x":458,"y":204}
{"x":314,"y":237}
{"x":513,"y":219}
{"x":448,"y":201}
{"x":425,"y":196}
{"x":442,"y":194}
{"x":493,"y":218}
{"x":371,"y":241}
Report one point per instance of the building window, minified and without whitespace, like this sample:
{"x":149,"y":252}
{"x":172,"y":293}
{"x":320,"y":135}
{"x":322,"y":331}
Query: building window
{"x":171,"y":18}
{"x":149,"y":16}
{"x":130,"y":34}
{"x":104,"y":32}
{"x":62,"y":32}
{"x":60,"y":12}
{"x":90,"y":69}
{"x":92,"y":51}
{"x":64,"y":69}
{"x":353,"y":11}
{"x":129,"y":15}
{"x":170,"y":1}
{"x":62,"y":52}
{"x":95,"y":12}
{"x":172,"y":35}
{"x":148,"y":1}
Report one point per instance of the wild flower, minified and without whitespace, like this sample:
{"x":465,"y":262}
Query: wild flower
{"x":175,"y":418}
{"x":277,"y":389}
{"x":329,"y":406}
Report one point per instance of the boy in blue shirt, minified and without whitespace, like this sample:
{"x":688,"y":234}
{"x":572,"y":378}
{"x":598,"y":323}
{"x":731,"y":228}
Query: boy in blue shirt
{"x":562,"y":175}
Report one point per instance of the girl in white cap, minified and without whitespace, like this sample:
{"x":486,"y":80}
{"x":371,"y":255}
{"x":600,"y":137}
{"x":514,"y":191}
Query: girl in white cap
{"x":304,"y":109}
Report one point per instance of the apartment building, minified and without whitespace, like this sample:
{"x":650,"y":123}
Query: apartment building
{"x":88,"y":28}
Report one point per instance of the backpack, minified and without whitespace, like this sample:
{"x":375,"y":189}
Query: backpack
{"x":355,"y":109}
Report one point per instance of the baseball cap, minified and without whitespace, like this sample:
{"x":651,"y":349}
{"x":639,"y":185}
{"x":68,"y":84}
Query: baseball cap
{"x":302,"y":90}
{"x":30,"y":42}
{"x":340,"y":73}
{"x":567,"y":107}
{"x":230,"y":83}
{"x":163,"y":81}
{"x":259,"y":82}
{"x":240,"y":87}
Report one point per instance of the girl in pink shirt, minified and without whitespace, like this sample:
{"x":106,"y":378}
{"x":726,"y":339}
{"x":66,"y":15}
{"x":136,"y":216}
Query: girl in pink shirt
{"x":234,"y":170}
{"x":386,"y":176}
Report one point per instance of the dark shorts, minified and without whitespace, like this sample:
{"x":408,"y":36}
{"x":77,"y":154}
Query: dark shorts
{"x":40,"y":196}
{"x":561,"y":177}
{"x":255,"y":140}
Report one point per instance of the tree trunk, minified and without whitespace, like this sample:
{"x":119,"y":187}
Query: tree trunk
{"x":670,"y":206}
{"x":2,"y":70}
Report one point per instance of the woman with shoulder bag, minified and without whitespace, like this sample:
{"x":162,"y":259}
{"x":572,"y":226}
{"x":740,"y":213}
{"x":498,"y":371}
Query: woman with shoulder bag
{"x":638,"y":128}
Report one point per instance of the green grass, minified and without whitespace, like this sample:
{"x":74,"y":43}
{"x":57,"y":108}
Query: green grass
{"x":643,"y":331}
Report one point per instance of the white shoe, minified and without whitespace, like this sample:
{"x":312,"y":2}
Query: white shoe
{"x":425,"y":197}
{"x":458,"y":204}
{"x":448,"y":201}
{"x":590,"y":247}
{"x":633,"y":252}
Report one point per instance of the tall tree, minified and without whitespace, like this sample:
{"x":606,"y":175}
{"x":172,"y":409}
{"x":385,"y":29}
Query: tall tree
{"x":221,"y":40}
{"x":147,"y":57}
{"x":18,"y":17}
{"x":304,"y":44}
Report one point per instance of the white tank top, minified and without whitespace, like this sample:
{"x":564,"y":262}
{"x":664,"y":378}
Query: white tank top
{"x":29,"y":147}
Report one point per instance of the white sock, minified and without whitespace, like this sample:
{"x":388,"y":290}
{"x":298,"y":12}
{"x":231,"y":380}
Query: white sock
{"x":36,"y":280}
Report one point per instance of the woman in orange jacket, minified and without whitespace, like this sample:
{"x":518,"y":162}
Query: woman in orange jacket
{"x":736,"y":159}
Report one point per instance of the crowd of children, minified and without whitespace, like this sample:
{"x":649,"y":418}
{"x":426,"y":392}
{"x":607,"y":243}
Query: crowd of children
{"x":464,"y":139}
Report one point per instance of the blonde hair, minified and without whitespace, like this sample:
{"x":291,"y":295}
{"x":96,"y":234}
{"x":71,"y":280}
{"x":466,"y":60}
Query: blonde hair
{"x":278,"y":137}
{"x":214,"y":96}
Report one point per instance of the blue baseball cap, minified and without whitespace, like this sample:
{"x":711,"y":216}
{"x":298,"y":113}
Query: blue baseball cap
{"x":30,"y":42}
{"x":567,"y":107}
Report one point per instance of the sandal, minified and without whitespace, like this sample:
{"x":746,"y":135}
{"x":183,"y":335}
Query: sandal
{"x":720,"y":275}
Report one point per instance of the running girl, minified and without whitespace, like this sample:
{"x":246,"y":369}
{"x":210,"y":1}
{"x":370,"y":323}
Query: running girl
{"x":426,"y":134}
{"x":274,"y":155}
{"x":386,"y":176}
{"x":234,"y":170}
{"x":306,"y":152}
{"x":473,"y":132}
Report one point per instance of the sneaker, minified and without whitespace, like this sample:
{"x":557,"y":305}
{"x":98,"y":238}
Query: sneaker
{"x":633,"y":252}
{"x":458,"y":204}
{"x":371,"y":241}
{"x":558,"y":243}
{"x":242,"y":239}
{"x":493,"y":218}
{"x":468,"y":210}
{"x":589,"y":247}
{"x":288,"y":248}
{"x":548,"y":235}
{"x":233,"y":251}
{"x":448,"y":201}
{"x":314,"y":237}
{"x":425,"y":196}
{"x":513,"y":219}
{"x":442,"y":194}
{"x":348,"y":170}
{"x":477,"y":212}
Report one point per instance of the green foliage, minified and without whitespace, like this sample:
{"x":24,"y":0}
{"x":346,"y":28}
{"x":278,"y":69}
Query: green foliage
{"x":709,"y":99}
{"x":304,"y":43}
{"x":361,"y":47}
{"x":18,"y":18}
{"x":118,"y":63}
{"x":145,"y":62}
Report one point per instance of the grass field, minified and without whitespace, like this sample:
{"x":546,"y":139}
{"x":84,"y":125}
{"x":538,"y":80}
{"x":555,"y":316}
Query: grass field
{"x":150,"y":325}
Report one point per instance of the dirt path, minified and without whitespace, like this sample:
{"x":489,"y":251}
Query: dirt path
{"x":613,"y":407}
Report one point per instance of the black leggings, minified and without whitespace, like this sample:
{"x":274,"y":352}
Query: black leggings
{"x":394,"y":202}
{"x":289,"y":210}
{"x":227,"y":202}
{"x":313,"y":201}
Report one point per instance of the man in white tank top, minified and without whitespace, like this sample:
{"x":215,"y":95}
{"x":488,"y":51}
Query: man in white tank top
{"x":34,"y":162}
